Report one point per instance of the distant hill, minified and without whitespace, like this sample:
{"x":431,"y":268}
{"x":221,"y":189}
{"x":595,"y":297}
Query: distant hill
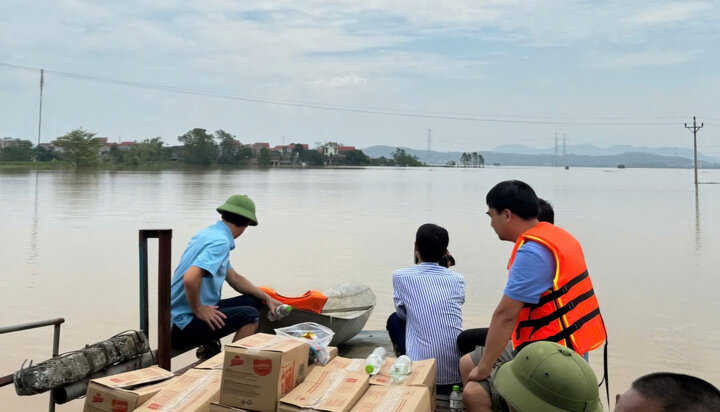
{"x":629,"y":159}
{"x":592,"y":150}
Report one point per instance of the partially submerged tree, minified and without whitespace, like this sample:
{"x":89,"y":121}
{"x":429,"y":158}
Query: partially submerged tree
{"x":199,"y":147}
{"x":80,"y":147}
{"x":356,"y":158}
{"x":17,"y":151}
{"x":149,"y":151}
{"x":227,"y":148}
{"x":403,"y":159}
{"x":314,"y":158}
{"x":263,"y":158}
{"x":44,"y":155}
{"x":300,"y":151}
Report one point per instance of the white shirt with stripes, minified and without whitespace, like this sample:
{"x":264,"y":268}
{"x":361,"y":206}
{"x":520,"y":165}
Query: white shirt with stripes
{"x":429,"y":298}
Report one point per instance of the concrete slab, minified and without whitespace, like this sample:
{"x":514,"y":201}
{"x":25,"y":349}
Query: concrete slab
{"x":364,"y":343}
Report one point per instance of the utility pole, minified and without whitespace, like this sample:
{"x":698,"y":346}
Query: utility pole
{"x":556,"y":151}
{"x":42,"y":82}
{"x":564,"y":153}
{"x":694,"y":129}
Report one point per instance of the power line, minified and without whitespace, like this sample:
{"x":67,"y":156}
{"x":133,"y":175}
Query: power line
{"x":332,"y":107}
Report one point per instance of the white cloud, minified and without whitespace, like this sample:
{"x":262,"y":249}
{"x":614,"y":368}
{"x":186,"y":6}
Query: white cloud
{"x":337,"y":82}
{"x":670,"y":12}
{"x":640,"y":59}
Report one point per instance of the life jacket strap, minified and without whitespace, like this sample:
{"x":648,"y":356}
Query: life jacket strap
{"x":563,"y":290}
{"x":565,"y":333}
{"x":538,"y":323}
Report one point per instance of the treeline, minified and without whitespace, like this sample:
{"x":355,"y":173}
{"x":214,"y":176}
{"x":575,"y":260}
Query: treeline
{"x":199,"y":148}
{"x":473,"y":159}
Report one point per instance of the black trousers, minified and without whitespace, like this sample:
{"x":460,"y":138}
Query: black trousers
{"x":239,"y":311}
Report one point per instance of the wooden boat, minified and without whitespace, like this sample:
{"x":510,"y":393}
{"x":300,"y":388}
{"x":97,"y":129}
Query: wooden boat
{"x":346,"y":311}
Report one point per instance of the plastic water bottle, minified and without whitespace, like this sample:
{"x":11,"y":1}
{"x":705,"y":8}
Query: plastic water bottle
{"x":400,"y":369}
{"x":374,"y":361}
{"x":456,"y":404}
{"x":280,"y":312}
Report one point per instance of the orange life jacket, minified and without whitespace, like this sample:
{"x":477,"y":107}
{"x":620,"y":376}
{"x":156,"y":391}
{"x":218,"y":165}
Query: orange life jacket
{"x":568,"y":313}
{"x":310,"y":301}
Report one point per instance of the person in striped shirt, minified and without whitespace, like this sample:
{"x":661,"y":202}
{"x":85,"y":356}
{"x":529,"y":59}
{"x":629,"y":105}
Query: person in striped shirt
{"x":428,"y":307}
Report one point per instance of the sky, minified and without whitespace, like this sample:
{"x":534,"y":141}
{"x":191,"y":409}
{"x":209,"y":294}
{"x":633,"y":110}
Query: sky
{"x":460,"y":75}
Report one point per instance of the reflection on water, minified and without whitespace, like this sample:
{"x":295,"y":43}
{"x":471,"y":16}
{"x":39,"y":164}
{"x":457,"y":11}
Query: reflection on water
{"x":698,"y":239}
{"x":32,"y":256}
{"x":72,"y":238}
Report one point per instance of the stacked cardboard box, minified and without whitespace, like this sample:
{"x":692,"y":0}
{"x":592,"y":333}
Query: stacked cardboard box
{"x":394,"y":398}
{"x":260,"y":369}
{"x":269,"y":373}
{"x":193,"y":391}
{"x":326,"y":389}
{"x":421,"y":374}
{"x":216,"y":407}
{"x":125,"y":391}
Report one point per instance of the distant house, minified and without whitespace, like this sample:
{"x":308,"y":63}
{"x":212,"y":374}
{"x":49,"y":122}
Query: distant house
{"x":51,"y":147}
{"x":126,"y":145}
{"x":330,"y":149}
{"x":255,"y":147}
{"x":288,"y":149}
{"x":104,"y":146}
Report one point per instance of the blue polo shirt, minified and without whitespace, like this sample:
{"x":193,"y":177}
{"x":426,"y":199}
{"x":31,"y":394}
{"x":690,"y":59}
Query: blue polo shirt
{"x":531,"y":273}
{"x":209,"y":250}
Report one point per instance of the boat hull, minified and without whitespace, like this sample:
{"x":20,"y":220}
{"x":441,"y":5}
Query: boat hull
{"x":345,"y":325}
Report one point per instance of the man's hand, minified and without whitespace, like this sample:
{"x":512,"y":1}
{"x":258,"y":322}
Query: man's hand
{"x":211,"y":316}
{"x":479,"y":373}
{"x":272,"y":303}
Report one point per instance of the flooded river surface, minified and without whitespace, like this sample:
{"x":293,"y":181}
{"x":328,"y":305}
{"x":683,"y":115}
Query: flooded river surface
{"x":68,"y":248}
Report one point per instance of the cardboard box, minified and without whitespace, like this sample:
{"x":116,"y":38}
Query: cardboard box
{"x":395,"y":398}
{"x":326,"y":389}
{"x":333,"y":352}
{"x":216,"y":407}
{"x":125,"y":391}
{"x":422,"y":373}
{"x":260,"y":369}
{"x":216,"y":362}
{"x":191,"y":392}
{"x":353,"y":365}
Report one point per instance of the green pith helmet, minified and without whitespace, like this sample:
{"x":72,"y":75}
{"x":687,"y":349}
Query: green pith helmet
{"x":240,"y":205}
{"x":547,"y":377}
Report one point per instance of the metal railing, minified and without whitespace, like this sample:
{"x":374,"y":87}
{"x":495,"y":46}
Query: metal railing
{"x":6,"y":380}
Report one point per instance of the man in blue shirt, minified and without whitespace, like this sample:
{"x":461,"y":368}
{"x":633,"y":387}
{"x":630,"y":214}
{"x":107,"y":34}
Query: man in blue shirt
{"x":428,"y":307}
{"x":198,"y":315}
{"x":513,"y":209}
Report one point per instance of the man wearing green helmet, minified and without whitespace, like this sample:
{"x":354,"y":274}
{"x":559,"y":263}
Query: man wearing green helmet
{"x":199,"y":316}
{"x":547,"y":377}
